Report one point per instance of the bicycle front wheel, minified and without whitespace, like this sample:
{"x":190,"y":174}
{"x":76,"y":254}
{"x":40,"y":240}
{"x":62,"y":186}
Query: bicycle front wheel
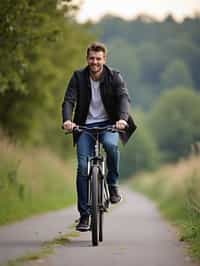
{"x":101,"y":211}
{"x":94,"y":206}
{"x":101,"y":226}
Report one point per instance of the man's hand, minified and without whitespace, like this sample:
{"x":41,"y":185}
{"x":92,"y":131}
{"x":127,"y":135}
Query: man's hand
{"x":69,"y":125}
{"x":121,"y":124}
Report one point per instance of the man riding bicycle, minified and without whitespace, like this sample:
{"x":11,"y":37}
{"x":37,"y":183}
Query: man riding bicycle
{"x":100,"y":98}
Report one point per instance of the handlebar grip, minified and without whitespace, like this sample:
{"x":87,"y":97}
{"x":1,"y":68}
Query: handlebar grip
{"x":76,"y":128}
{"x":62,"y":127}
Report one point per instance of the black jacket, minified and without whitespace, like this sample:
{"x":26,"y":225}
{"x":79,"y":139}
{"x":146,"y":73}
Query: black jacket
{"x":114,"y":97}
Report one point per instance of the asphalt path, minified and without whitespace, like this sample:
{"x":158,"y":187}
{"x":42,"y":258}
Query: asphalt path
{"x":135,"y":234}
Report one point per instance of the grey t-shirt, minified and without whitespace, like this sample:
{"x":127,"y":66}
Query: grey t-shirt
{"x":97,"y":112}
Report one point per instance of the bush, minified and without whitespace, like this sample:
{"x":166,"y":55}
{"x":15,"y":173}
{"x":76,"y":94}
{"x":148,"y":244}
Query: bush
{"x":140,"y":152}
{"x":175,"y":122}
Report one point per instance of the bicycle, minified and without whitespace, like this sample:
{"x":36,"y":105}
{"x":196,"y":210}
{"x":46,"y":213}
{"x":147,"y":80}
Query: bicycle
{"x":98,"y":193}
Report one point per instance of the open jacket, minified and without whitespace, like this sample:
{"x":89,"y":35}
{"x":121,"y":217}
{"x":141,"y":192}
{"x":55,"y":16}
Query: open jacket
{"x":114,"y":97}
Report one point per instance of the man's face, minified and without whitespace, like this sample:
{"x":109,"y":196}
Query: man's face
{"x":96,"y":60}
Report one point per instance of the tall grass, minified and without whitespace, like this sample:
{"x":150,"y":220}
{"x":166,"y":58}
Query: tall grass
{"x":176,"y":189}
{"x":32,"y":181}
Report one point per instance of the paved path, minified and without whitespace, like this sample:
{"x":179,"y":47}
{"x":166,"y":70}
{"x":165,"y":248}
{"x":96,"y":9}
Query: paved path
{"x":135,"y":235}
{"x":28,"y":236}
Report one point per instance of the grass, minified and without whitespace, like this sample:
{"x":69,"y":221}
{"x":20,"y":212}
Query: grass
{"x":176,"y":190}
{"x":33,"y":181}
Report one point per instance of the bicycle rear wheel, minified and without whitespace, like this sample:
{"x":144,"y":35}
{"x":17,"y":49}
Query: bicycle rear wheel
{"x":94,"y":206}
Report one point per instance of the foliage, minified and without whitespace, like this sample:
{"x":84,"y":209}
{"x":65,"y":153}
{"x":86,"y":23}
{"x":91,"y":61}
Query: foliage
{"x":24,"y":24}
{"x":41,"y":45}
{"x":175,"y":122}
{"x":176,"y":74}
{"x":141,"y":151}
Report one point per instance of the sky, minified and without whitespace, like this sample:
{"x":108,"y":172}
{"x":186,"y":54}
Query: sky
{"x":128,"y":9}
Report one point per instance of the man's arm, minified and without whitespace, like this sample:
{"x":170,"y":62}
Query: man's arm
{"x":123,"y":101}
{"x":68,"y":103}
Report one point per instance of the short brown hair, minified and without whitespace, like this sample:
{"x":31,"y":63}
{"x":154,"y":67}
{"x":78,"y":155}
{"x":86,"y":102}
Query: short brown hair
{"x":97,"y":47}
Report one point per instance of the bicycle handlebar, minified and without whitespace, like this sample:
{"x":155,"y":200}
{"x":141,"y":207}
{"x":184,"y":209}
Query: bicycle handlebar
{"x":111,"y":128}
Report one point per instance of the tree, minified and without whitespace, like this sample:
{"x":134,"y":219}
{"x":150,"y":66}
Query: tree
{"x":23,"y":25}
{"x":141,"y":152}
{"x":42,"y":45}
{"x":175,"y":122}
{"x":176,"y":74}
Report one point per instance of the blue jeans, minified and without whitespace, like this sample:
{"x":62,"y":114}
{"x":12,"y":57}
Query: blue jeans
{"x":85,"y":149}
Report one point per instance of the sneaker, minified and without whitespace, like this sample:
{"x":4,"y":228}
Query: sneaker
{"x":114,"y":194}
{"x":83,"y":224}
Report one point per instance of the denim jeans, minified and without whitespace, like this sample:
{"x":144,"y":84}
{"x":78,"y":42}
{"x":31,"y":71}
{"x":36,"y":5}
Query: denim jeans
{"x":85,"y":149}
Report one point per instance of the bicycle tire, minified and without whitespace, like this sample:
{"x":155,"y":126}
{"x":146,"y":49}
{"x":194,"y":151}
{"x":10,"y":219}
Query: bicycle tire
{"x":101,"y":215}
{"x":94,"y":206}
{"x":101,"y":211}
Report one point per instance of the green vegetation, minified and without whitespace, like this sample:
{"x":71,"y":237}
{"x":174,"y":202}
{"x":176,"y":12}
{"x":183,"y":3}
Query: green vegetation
{"x":175,"y":122}
{"x":165,"y":134}
{"x":141,"y":152}
{"x":41,"y":46}
{"x":175,"y":188}
{"x":33,"y":181}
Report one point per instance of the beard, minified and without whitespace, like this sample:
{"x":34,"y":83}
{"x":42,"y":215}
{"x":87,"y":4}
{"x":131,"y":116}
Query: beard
{"x":95,"y":69}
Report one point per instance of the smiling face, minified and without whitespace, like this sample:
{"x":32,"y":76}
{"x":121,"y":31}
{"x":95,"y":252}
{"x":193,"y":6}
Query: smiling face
{"x":96,"y":60}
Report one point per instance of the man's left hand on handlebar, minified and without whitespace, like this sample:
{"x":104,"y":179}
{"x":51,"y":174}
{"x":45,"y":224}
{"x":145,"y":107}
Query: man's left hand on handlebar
{"x":69,"y":125}
{"x":121,"y":124}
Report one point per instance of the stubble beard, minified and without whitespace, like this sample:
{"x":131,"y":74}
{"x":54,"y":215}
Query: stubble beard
{"x":96,"y":72}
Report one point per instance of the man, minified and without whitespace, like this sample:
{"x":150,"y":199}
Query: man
{"x":101,"y":98}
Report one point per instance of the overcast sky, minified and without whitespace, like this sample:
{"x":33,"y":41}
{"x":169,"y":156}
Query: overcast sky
{"x":94,"y":9}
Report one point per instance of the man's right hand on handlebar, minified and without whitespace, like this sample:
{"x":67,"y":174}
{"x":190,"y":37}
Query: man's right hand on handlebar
{"x":69,"y":125}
